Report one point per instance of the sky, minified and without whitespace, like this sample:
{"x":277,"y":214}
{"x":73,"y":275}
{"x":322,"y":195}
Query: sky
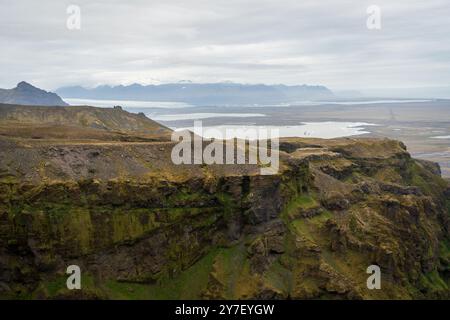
{"x":323,"y":42}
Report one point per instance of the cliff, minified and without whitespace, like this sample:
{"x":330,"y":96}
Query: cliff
{"x":141,"y":227}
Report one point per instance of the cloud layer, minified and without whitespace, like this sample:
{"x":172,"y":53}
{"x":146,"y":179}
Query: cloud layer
{"x":252,"y":41}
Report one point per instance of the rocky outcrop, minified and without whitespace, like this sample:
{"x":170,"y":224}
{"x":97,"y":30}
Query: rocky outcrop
{"x":140,"y":227}
{"x":310,"y":231}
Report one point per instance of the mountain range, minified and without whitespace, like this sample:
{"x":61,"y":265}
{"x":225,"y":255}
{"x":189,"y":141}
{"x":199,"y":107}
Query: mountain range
{"x":202,"y":93}
{"x":26,"y":94}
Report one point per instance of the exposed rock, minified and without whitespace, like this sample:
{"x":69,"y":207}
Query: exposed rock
{"x":141,"y":227}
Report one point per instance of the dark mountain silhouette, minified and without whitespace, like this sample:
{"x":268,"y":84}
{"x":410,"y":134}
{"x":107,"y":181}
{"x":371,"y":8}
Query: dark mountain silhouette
{"x":202,"y":93}
{"x":26,"y":94}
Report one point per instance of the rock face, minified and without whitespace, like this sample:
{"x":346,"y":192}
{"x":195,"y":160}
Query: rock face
{"x":26,"y":94}
{"x":140,"y":227}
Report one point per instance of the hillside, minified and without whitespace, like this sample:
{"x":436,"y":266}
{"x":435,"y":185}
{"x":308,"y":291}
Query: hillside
{"x":25,"y":94}
{"x":203,"y":93}
{"x":77,"y":122}
{"x":141,"y":227}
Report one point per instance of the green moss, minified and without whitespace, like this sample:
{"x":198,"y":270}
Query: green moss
{"x":279,"y":277}
{"x":433,"y":282}
{"x":8,"y":179}
{"x":320,"y":219}
{"x":186,"y":198}
{"x":55,"y":286}
{"x":444,"y":254}
{"x":75,"y":229}
{"x":132,"y":224}
{"x":429,"y":183}
{"x":309,"y":227}
{"x":207,"y":219}
{"x":305,"y":202}
{"x":229,"y":265}
{"x":297,"y":204}
{"x":225,"y":199}
{"x":301,"y":227}
{"x":389,"y":174}
{"x":228,"y":205}
{"x":186,"y":285}
{"x":58,"y":287}
{"x":86,"y":226}
{"x":127,"y":291}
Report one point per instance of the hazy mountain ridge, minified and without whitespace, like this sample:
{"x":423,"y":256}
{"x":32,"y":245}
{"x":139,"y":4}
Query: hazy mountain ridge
{"x":202,"y":93}
{"x":26,"y":94}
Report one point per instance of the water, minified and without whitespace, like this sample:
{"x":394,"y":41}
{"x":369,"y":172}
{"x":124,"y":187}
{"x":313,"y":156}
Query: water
{"x":197,"y":116}
{"x":168,"y":104}
{"x":326,"y":130}
{"x":178,"y":115}
{"x":414,"y":121}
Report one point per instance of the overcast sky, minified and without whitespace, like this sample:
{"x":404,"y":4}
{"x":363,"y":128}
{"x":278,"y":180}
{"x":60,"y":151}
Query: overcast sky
{"x":250,"y":41}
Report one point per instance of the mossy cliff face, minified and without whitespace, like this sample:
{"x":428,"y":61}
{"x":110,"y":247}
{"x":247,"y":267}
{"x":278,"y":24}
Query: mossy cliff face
{"x":143,"y":230}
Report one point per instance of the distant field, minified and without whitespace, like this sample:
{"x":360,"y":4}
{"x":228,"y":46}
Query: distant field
{"x":413,"y":122}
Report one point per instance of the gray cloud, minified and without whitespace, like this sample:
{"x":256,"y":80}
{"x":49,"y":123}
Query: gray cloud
{"x":283,"y":41}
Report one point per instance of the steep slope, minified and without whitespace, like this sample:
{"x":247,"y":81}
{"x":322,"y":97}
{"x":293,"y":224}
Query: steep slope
{"x":141,"y":227}
{"x":77,"y":122}
{"x":26,"y":94}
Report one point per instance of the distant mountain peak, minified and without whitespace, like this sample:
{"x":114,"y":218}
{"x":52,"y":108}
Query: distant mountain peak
{"x":25,"y":85}
{"x":26,"y":94}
